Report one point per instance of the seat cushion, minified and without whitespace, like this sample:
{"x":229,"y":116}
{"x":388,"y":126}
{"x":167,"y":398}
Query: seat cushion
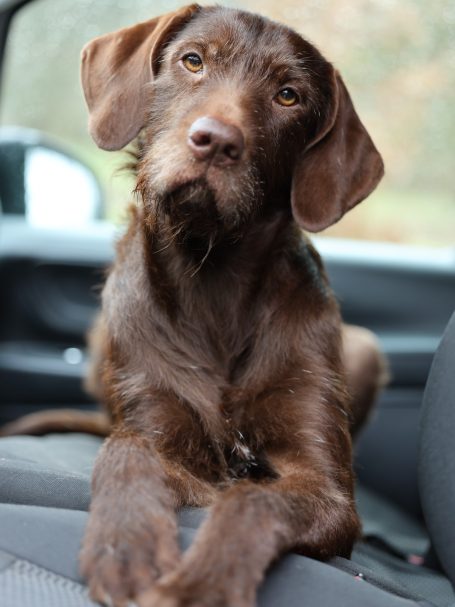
{"x":38,"y":568}
{"x":51,"y":470}
{"x":45,"y":492}
{"x":437,"y":452}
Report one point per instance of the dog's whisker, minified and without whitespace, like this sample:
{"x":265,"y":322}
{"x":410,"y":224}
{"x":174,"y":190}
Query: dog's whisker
{"x":201,"y":263}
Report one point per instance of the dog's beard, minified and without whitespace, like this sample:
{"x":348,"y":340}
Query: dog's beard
{"x":198,"y":210}
{"x":191,"y":206}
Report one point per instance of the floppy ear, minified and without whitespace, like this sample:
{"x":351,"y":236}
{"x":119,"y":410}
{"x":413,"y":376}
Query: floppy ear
{"x":338,"y":169}
{"x":116,"y":69}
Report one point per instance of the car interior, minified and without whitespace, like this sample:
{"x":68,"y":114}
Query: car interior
{"x":50,"y":277}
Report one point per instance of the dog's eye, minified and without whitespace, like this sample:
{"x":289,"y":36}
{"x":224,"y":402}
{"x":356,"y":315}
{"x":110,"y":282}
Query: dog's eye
{"x":193,"y":63}
{"x":287,"y":97}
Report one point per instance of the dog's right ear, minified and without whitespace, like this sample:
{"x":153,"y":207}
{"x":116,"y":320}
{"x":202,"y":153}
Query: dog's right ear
{"x":116,"y":69}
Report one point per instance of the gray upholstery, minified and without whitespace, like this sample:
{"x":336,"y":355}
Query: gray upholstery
{"x":44,"y":492}
{"x":51,"y":470}
{"x":55,"y":471}
{"x":38,"y":568}
{"x":437,"y":452}
{"x":26,"y":584}
{"x":386,"y":521}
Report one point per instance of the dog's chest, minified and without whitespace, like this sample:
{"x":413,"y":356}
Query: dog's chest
{"x":242,"y":462}
{"x":215,"y":328}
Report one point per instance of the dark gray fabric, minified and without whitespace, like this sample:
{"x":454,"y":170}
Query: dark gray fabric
{"x":301,"y":582}
{"x":384,"y":520}
{"x":48,"y":537}
{"x":24,"y":584}
{"x":291,"y":584}
{"x":5,"y":560}
{"x":69,"y":453}
{"x":54,"y":471}
{"x":45,"y":572}
{"x":50,"y":471}
{"x":385,"y":569}
{"x":437,"y":452}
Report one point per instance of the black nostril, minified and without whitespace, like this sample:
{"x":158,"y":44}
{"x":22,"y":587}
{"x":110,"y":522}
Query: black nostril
{"x":201,"y":138}
{"x":232,"y":151}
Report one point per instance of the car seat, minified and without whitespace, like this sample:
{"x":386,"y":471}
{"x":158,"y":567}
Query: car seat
{"x":45,"y":493}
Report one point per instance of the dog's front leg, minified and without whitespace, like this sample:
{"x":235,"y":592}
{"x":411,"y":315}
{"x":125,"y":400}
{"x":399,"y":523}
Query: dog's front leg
{"x":249,"y":527}
{"x":131,"y":536}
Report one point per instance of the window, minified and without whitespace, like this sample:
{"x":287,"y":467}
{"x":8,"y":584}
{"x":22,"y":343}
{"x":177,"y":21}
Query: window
{"x":396,"y":56}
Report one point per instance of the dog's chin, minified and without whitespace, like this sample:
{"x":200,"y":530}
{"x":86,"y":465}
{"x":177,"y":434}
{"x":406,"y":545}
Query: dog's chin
{"x":200,"y":207}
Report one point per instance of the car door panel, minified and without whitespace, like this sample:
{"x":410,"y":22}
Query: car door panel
{"x":50,"y":294}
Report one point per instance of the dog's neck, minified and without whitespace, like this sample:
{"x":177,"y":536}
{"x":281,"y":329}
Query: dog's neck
{"x":188,"y":255}
{"x":190,"y":272}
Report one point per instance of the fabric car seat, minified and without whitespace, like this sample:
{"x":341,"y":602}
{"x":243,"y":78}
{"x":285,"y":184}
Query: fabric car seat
{"x":437,"y":452}
{"x":45,"y":493}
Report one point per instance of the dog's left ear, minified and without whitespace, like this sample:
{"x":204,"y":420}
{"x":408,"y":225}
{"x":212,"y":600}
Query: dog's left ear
{"x":116,"y":69}
{"x":338,"y":169}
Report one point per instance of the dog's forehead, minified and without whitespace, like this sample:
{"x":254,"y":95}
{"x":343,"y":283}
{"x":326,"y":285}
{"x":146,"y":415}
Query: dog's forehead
{"x":224,"y":33}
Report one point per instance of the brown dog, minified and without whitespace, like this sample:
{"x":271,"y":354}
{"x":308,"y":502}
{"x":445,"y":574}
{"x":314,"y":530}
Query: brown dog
{"x":219,"y":348}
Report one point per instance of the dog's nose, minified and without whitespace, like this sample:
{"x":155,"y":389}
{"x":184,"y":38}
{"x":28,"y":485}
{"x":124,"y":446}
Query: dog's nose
{"x":211,"y":139}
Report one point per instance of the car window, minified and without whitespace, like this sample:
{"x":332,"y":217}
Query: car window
{"x":396,"y":56}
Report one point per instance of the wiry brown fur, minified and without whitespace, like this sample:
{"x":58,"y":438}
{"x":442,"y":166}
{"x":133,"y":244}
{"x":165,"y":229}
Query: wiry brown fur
{"x":219,"y":348}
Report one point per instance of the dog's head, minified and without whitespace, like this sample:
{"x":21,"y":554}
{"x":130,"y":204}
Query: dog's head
{"x":238,"y":113}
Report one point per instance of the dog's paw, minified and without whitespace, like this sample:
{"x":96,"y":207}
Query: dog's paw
{"x":120,"y":565}
{"x":115,"y":574}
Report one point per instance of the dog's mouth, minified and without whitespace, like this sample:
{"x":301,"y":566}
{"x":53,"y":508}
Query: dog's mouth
{"x":197,"y":195}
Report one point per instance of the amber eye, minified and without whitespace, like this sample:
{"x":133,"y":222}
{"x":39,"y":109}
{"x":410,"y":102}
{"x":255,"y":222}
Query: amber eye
{"x":193,"y":63}
{"x":287,"y":97}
